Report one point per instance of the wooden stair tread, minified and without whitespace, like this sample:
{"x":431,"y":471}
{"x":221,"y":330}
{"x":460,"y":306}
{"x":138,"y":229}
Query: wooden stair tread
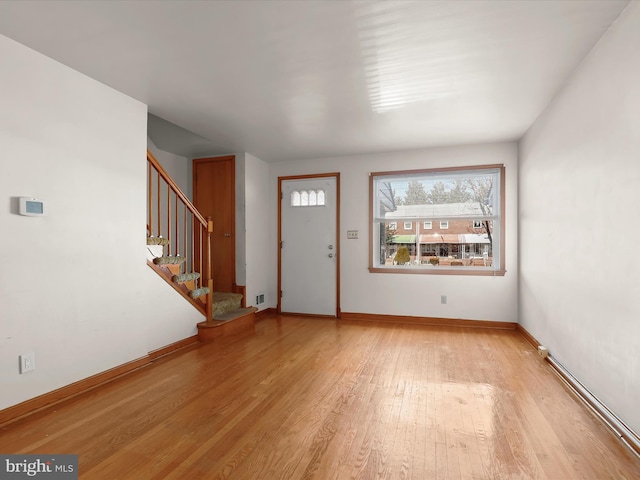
{"x":239,"y":321}
{"x":158,"y":241}
{"x":225,"y":302}
{"x":233,"y":314}
{"x":222,"y":296}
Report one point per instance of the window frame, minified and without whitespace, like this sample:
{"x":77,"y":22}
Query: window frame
{"x":499,"y":270}
{"x":444,"y":224}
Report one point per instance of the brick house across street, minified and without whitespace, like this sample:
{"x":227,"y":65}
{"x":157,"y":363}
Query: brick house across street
{"x":444,"y":234}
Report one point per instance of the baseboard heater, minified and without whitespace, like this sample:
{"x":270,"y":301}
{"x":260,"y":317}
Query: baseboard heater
{"x":628,"y":436}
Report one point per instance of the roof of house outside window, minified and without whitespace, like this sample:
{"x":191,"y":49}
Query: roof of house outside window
{"x":442,"y":238}
{"x":474,"y":238}
{"x":403,"y":239}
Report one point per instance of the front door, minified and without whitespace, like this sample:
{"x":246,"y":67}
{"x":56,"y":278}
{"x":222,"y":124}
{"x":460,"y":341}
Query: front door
{"x":309,"y":247}
{"x":214,"y":196}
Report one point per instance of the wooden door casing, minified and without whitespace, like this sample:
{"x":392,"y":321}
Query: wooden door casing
{"x":214,"y":196}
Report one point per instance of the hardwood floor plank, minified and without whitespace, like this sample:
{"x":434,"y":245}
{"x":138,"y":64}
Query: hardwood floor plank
{"x":319,"y":399}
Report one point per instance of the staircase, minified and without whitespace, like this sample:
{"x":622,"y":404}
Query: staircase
{"x":229,"y":317}
{"x":178,"y":249}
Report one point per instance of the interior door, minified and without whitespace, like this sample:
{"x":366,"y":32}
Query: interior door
{"x":309,"y":249}
{"x":214,"y":196}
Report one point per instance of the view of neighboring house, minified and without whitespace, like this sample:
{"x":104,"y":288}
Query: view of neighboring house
{"x":439,"y":240}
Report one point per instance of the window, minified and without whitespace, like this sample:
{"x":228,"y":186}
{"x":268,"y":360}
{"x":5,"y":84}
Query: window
{"x":307,"y":198}
{"x":467,"y":203}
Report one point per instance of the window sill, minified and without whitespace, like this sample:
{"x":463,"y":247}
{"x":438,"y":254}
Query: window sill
{"x":439,"y":271}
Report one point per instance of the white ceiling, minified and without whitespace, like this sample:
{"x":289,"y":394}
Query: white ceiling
{"x":288,"y":80}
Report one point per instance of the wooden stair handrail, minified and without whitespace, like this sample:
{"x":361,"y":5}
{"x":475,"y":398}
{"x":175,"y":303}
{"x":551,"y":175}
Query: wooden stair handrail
{"x":200,"y":242}
{"x":163,"y":173}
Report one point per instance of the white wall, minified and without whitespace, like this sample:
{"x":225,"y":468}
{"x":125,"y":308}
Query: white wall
{"x":579,"y":196}
{"x":258,"y":251}
{"x":469,"y":297}
{"x":74,"y":286}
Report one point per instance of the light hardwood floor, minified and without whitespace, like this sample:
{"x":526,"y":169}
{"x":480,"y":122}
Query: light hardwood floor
{"x":310,"y":398}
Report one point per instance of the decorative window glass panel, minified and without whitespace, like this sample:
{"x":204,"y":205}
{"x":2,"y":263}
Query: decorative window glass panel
{"x":308,"y":198}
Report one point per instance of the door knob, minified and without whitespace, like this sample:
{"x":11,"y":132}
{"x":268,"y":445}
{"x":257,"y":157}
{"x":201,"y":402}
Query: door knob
{"x":331,"y":255}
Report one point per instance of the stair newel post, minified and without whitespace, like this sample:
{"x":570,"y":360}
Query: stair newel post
{"x":150,"y":198}
{"x":208,"y":276}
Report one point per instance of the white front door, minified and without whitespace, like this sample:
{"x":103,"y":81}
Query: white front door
{"x":309,"y":249}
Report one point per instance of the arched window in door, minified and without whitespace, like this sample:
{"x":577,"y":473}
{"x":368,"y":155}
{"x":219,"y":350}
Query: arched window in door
{"x":308,"y":198}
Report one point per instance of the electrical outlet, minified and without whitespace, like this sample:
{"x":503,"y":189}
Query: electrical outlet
{"x":352,"y":234}
{"x":27,"y":362}
{"x":443,"y":299}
